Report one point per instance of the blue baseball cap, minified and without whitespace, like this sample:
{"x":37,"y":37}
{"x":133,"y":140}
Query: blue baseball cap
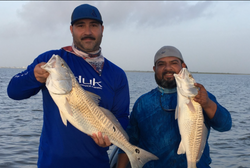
{"x":86,"y":11}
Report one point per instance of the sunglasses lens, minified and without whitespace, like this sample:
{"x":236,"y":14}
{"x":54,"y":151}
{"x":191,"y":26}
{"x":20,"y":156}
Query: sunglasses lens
{"x":167,"y":110}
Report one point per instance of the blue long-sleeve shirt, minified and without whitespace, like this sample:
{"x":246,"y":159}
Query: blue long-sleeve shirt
{"x":65,"y":146}
{"x":156,"y":130}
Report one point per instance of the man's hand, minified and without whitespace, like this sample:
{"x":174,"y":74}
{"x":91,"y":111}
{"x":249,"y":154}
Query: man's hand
{"x":100,"y":140}
{"x":206,"y":103}
{"x":40,"y":74}
{"x":202,"y":97}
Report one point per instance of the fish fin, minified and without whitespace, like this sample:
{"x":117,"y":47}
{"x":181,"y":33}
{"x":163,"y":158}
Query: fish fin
{"x":140,"y":157}
{"x":203,"y":141}
{"x":190,"y":105}
{"x":115,"y":122}
{"x":63,"y":108}
{"x":181,"y":149}
{"x":94,"y":97}
{"x":177,"y":111}
{"x":66,"y":108}
{"x":64,"y":120}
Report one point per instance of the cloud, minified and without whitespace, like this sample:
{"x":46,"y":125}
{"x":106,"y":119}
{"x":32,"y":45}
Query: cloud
{"x":204,"y":31}
{"x":151,"y":14}
{"x":46,"y":16}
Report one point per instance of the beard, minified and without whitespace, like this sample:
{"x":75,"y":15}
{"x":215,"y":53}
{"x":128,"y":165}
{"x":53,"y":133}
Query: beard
{"x":169,"y":83}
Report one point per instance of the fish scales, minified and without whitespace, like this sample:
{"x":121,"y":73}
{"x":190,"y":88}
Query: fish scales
{"x":196,"y":135}
{"x":192,"y":135}
{"x":93,"y":118}
{"x":81,"y":109}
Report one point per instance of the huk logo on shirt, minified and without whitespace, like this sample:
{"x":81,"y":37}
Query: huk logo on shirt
{"x":89,"y":83}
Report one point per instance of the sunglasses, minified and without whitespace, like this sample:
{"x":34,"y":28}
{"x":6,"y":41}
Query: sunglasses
{"x":167,"y":110}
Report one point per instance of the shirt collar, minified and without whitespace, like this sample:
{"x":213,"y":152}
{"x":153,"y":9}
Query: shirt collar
{"x":166,"y":90}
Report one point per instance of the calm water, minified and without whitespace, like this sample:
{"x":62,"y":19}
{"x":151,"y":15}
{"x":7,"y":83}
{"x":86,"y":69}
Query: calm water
{"x":21,"y":121}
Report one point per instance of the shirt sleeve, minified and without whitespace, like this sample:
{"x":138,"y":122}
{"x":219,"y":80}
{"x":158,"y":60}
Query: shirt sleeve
{"x":24,"y":84}
{"x":222,"y":120}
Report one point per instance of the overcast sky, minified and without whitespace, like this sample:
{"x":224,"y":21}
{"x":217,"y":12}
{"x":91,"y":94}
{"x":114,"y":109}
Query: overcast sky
{"x":212,"y":36}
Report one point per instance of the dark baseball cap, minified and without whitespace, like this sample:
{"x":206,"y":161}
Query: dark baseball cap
{"x":86,"y":11}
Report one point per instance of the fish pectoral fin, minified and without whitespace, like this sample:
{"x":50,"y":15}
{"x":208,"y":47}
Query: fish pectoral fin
{"x":190,"y":105}
{"x":181,"y":149}
{"x":67,"y":107}
{"x":63,"y":107}
{"x":64,"y":110}
{"x":114,"y":120}
{"x":94,"y":97}
{"x":64,"y":120}
{"x":177,"y":111}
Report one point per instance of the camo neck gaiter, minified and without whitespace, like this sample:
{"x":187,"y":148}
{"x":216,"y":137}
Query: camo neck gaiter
{"x":95,"y":59}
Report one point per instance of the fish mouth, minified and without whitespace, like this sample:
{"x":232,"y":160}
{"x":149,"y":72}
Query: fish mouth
{"x":181,"y":74}
{"x":50,"y":64}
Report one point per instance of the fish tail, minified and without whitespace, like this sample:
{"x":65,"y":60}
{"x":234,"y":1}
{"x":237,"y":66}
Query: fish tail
{"x":191,"y":164}
{"x":140,"y":157}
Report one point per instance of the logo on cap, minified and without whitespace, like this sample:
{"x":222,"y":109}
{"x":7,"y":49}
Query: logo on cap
{"x":93,"y":13}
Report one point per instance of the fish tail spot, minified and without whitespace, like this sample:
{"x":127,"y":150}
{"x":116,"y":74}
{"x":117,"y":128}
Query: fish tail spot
{"x":137,"y":151}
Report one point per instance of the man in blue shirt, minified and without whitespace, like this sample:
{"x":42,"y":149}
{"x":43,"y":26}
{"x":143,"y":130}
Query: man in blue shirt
{"x":64,"y":146}
{"x":152,"y":123}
